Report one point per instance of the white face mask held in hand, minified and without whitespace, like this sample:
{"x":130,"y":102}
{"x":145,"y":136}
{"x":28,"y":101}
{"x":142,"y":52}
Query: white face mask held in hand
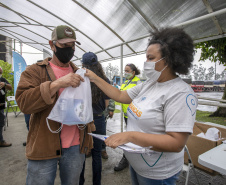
{"x":150,"y":72}
{"x":74,"y":106}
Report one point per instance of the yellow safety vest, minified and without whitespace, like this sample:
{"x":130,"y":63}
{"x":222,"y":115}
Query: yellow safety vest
{"x":128,"y":85}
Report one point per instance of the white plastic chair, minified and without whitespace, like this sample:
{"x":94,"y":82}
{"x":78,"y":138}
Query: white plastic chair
{"x":10,"y":100}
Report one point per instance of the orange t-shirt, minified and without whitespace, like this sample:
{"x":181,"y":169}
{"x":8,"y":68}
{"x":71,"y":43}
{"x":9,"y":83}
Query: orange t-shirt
{"x":69,"y":134}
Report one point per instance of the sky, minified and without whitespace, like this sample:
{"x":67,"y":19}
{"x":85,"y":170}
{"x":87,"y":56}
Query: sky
{"x":137,"y":60}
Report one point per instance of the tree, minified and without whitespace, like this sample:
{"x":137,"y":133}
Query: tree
{"x":7,"y":74}
{"x":195,"y":72}
{"x":201,"y":72}
{"x":215,"y":51}
{"x":210,"y":74}
{"x":198,"y":72}
{"x":223,"y":75}
{"x":218,"y":76}
{"x":110,"y":71}
{"x":115,"y":70}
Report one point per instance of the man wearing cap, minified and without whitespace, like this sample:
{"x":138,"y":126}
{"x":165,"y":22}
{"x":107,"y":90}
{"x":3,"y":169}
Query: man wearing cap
{"x":4,"y":85}
{"x":37,"y":92}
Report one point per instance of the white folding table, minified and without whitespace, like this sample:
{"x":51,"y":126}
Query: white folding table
{"x":215,"y":159}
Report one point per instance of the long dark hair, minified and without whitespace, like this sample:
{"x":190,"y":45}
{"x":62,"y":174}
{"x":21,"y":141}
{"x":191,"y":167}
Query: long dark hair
{"x":97,"y":94}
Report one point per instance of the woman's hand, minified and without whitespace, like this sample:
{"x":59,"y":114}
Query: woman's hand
{"x":169,"y":142}
{"x":91,"y":75}
{"x":108,"y":89}
{"x":117,"y":139}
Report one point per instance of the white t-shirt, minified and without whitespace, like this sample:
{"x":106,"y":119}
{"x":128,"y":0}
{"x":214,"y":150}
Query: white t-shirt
{"x":158,"y":108}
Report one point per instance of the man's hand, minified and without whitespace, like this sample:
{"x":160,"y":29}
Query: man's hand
{"x":2,"y":84}
{"x":68,"y":80}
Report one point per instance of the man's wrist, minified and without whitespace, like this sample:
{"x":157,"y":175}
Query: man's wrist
{"x":54,"y":87}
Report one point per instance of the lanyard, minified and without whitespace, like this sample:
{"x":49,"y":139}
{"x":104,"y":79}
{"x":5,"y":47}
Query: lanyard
{"x":127,"y":83}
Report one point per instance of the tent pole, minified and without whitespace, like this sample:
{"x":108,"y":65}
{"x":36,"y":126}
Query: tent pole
{"x":21,"y":48}
{"x":121,"y":80}
{"x":14,"y":45}
{"x":201,"y":18}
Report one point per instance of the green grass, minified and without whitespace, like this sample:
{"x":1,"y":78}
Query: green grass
{"x":11,"y":110}
{"x":202,"y":116}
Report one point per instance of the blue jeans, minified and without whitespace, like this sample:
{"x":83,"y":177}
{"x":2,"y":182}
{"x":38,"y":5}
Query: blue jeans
{"x":139,"y":180}
{"x":43,"y":172}
{"x":99,"y":122}
{"x":27,"y":119}
{"x":105,"y":127}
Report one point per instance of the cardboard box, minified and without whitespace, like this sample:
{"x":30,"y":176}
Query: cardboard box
{"x":197,"y":145}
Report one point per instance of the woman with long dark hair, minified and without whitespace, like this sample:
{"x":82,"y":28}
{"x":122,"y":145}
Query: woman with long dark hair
{"x":99,"y":102}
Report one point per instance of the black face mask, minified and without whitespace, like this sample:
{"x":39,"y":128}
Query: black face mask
{"x":64,"y":54}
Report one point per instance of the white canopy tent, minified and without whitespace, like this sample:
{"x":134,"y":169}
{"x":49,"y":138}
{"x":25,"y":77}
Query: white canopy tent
{"x":111,"y":29}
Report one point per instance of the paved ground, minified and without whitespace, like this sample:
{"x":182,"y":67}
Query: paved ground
{"x":13,"y":161}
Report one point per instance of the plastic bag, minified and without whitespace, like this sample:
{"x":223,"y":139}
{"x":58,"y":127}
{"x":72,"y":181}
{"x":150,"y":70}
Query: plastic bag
{"x":212,"y":134}
{"x":74,"y":105}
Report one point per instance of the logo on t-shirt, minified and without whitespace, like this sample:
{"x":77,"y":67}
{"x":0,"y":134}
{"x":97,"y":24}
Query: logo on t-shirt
{"x":134,"y":111}
{"x":143,"y":98}
{"x":191,"y":103}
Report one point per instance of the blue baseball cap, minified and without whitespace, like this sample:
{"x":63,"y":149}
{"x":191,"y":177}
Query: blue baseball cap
{"x":89,"y":58}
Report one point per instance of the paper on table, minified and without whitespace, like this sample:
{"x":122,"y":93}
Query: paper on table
{"x":129,"y":147}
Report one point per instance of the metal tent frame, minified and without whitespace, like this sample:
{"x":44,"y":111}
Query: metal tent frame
{"x":211,"y":12}
{"x":111,"y":29}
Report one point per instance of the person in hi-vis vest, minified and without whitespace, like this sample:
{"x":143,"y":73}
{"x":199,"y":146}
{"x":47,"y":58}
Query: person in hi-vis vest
{"x":131,"y":80}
